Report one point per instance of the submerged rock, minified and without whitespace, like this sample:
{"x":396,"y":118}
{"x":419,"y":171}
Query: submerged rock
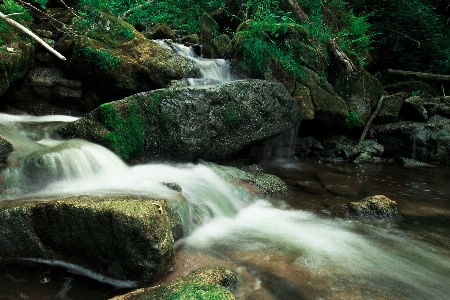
{"x":188,"y":123}
{"x":207,"y":283}
{"x":340,"y":184}
{"x":374,"y":206}
{"x":411,"y":163}
{"x":124,"y":238}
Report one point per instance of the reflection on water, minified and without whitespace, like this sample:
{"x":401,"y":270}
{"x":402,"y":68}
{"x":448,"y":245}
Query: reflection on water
{"x":303,"y":246}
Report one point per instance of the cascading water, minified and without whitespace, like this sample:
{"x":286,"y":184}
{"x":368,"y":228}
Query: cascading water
{"x":279,"y":251}
{"x":213,"y":71}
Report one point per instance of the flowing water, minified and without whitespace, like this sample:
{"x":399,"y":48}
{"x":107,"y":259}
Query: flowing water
{"x":301,"y":246}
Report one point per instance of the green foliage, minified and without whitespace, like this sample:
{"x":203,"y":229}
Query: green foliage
{"x":408,"y":35}
{"x":353,"y":119}
{"x":415,"y":93}
{"x":198,"y":291}
{"x":7,"y":31}
{"x":127,"y":133}
{"x":270,"y":33}
{"x":99,"y":58}
{"x":41,"y":3}
{"x":182,"y":15}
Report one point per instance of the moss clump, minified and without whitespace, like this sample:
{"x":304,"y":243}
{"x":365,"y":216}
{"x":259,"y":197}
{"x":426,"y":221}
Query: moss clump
{"x":201,"y":292}
{"x":103,"y":60}
{"x":353,"y":119}
{"x":127,"y":133}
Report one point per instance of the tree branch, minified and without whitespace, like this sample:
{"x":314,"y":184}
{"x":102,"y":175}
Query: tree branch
{"x":132,"y":10}
{"x":372,"y":117}
{"x":7,"y":19}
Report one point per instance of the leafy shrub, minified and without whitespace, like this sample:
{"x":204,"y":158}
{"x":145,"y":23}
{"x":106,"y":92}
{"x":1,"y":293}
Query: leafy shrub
{"x":407,"y":34}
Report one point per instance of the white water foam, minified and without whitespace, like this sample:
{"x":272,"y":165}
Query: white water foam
{"x":338,"y":248}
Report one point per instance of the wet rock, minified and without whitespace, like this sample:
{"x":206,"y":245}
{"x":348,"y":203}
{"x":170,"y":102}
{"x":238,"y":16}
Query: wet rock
{"x":120,"y":237}
{"x":413,"y":109}
{"x":378,"y":206}
{"x":188,"y":123}
{"x":252,"y":178}
{"x":159,"y":32}
{"x":209,"y":27}
{"x":206,"y":283}
{"x":191,"y":39}
{"x":308,"y":146}
{"x":340,"y":184}
{"x":313,"y":187}
{"x":5,"y":149}
{"x":390,"y":108}
{"x":111,"y":53}
{"x":411,"y":163}
{"x":371,"y":147}
{"x":16,"y":57}
{"x":424,"y":141}
{"x":360,"y":92}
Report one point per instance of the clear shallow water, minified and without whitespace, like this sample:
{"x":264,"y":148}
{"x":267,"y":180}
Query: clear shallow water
{"x":302,"y":246}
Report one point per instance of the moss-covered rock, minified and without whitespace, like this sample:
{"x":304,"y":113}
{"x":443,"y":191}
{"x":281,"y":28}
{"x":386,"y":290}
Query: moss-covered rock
{"x":159,"y":32}
{"x":390,"y":108}
{"x":125,"y":238}
{"x":204,"y":284}
{"x":187,"y":123}
{"x":374,"y":206}
{"x":16,"y":59}
{"x":116,"y":60}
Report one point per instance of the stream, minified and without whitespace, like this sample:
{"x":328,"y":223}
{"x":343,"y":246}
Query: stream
{"x":300,"y":246}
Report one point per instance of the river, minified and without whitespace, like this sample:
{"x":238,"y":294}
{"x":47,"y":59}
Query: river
{"x":299,"y":246}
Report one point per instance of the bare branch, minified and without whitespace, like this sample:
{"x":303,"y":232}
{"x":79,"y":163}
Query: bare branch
{"x":30,"y":33}
{"x":132,"y":10}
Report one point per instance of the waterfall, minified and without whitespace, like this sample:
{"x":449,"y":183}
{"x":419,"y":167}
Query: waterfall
{"x":213,"y":71}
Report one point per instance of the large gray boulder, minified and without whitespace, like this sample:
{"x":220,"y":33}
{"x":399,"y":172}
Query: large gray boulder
{"x":123,"y":238}
{"x":424,"y":141}
{"x":188,"y":123}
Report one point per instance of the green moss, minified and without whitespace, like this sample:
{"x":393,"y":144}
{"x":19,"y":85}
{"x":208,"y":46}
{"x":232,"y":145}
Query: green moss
{"x":103,"y":60}
{"x":127,"y":133}
{"x":201,"y":292}
{"x":353,"y":119}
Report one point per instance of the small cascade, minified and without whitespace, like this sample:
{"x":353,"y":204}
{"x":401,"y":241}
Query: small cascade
{"x":280,"y":148}
{"x":213,"y":71}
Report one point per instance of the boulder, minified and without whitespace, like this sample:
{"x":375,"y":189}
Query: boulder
{"x":121,"y":237}
{"x":424,"y":141}
{"x":311,"y":186}
{"x":188,"y":123}
{"x":390,"y":108}
{"x":413,"y":109}
{"x":378,"y":206}
{"x":209,"y":30}
{"x":159,"y":32}
{"x":206,"y":283}
{"x":115,"y":60}
{"x":16,"y":58}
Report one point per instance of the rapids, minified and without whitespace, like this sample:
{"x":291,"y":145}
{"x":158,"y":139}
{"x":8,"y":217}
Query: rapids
{"x":302,"y":246}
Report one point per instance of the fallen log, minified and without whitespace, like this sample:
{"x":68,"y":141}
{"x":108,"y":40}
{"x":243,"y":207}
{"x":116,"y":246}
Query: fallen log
{"x":425,"y":77}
